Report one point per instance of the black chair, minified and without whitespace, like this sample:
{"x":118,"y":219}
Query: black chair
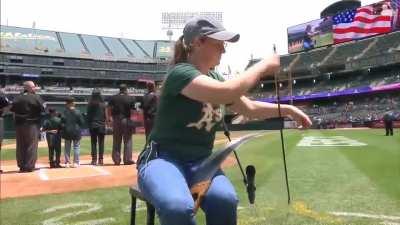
{"x":136,"y":194}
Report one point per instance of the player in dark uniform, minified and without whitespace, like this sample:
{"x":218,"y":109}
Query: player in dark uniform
{"x":28,"y":109}
{"x":119,"y":115}
{"x":150,"y":101}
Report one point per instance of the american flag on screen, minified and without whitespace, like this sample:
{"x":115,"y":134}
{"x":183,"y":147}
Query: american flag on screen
{"x":359,"y":23}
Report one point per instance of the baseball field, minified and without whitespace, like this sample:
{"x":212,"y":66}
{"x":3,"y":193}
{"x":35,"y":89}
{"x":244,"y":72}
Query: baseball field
{"x":335,"y":177}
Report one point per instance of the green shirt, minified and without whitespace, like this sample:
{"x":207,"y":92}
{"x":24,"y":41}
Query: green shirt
{"x":52,"y":123}
{"x":185,"y":128}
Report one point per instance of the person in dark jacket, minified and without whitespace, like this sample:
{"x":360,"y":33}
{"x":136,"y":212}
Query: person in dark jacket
{"x":96,"y":118}
{"x":388,"y":119}
{"x":4,"y":103}
{"x":52,"y":127}
{"x":72,"y":121}
{"x":150,"y":101}
{"x":28,"y":108}
{"x":119,"y":115}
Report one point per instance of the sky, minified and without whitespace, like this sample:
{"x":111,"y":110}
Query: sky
{"x":260,"y":23}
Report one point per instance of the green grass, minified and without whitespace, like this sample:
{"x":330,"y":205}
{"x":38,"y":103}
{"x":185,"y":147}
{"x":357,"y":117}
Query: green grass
{"x":324,"y":39}
{"x":322,"y":180}
{"x":138,"y":143}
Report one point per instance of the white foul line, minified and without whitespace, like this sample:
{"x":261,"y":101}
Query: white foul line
{"x":364,"y":215}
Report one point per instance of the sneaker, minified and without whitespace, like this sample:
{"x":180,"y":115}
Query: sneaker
{"x":93,"y":162}
{"x":100,"y":162}
{"x":76,"y":165}
{"x":67,"y":165}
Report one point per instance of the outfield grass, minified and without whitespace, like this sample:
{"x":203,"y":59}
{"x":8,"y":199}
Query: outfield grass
{"x":323,"y":180}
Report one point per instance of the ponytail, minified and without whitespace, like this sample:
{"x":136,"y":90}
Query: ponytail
{"x":180,"y":52}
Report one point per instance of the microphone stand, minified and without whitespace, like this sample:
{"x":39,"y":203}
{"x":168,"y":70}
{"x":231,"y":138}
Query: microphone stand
{"x":250,"y":189}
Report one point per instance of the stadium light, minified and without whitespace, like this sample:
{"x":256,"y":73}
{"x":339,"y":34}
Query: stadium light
{"x":177,"y":20}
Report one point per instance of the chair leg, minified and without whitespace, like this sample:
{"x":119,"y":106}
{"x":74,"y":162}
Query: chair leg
{"x":133,"y":210}
{"x":150,"y":214}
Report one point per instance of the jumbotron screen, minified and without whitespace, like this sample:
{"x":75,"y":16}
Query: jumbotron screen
{"x":352,"y":24}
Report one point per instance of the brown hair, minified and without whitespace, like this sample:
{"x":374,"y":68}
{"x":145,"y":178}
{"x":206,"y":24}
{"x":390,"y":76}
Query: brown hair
{"x":180,"y":52}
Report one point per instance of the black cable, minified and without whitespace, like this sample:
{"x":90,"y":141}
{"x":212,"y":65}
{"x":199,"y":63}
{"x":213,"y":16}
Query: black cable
{"x":228,"y":135}
{"x":281,"y":131}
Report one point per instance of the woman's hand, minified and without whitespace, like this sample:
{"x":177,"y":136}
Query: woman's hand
{"x":271,"y":65}
{"x":303,"y":121}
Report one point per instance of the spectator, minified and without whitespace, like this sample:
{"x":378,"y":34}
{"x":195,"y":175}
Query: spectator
{"x":72,"y":121}
{"x":119,"y":116}
{"x":27,"y":109}
{"x":96,"y":118}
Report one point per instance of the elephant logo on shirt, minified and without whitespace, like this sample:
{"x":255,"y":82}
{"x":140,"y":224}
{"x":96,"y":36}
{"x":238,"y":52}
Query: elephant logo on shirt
{"x":211,"y":116}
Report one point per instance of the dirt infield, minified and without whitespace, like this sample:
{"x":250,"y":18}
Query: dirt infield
{"x":13,"y":146}
{"x":51,"y":181}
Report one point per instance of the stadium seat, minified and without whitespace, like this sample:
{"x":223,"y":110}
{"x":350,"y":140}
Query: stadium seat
{"x":137,"y":194}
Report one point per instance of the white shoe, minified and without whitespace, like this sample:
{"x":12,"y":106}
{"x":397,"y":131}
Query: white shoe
{"x":76,"y":165}
{"x":67,"y":165}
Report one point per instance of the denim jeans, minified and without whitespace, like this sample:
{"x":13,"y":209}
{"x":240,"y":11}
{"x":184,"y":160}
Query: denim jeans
{"x":164,"y":182}
{"x":76,"y":146}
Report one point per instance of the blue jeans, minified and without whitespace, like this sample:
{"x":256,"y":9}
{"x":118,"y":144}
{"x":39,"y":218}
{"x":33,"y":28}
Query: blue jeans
{"x":164,"y":182}
{"x":76,"y":146}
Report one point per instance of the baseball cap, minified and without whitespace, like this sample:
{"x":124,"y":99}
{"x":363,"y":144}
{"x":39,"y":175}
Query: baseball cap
{"x":207,"y":26}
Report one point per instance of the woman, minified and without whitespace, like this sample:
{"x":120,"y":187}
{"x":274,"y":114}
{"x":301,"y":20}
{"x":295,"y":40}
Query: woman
{"x":96,"y":118}
{"x":186,"y":121}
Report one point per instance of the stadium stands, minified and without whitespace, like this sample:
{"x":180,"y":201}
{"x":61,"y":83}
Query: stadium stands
{"x":53,"y":43}
{"x":365,"y":71}
{"x":357,"y":110}
{"x":346,"y":51}
{"x":384,"y":45}
{"x":312,"y":58}
{"x":73,"y":64}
